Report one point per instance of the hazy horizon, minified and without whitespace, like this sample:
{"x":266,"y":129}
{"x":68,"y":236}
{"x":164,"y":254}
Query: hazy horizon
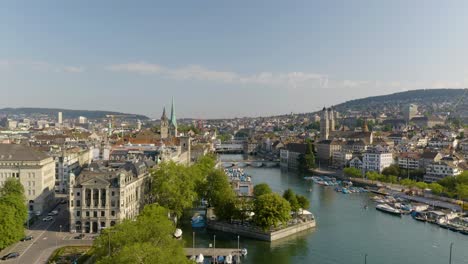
{"x":225,"y":59}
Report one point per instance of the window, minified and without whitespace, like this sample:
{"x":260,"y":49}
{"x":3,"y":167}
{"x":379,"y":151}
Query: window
{"x":103,"y":213}
{"x":113,"y":213}
{"x":78,"y":194}
{"x":78,"y":213}
{"x":78,"y":203}
{"x":113,"y":193}
{"x":95,"y":213}
{"x":87,"y":213}
{"x":113,"y":203}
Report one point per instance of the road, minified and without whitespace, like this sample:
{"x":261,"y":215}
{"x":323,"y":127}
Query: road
{"x":47,"y":236}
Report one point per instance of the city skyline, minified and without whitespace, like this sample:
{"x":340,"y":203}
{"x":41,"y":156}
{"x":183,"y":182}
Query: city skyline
{"x":224,"y":60}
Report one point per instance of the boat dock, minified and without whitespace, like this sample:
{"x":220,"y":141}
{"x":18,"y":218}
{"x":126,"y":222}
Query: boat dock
{"x":209,"y":252}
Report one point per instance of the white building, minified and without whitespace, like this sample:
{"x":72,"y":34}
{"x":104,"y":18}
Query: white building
{"x":67,"y":162}
{"x":82,"y":120}
{"x":376,"y":159}
{"x":34,"y":169}
{"x":439,"y":170}
{"x":409,"y":160}
{"x":101,"y":197}
{"x":60,"y":121}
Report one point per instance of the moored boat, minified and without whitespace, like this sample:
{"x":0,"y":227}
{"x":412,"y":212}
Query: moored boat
{"x":198,"y":221}
{"x":388,"y":209}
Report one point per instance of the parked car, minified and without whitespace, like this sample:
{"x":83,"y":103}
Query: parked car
{"x":27,"y":238}
{"x":80,"y":236}
{"x":52,"y":213}
{"x":47,"y":219}
{"x":11,"y":255}
{"x":38,"y":213}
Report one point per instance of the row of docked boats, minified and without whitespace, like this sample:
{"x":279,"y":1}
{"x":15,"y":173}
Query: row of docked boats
{"x":348,"y":190}
{"x":229,"y":259}
{"x":255,"y":164}
{"x":237,"y":174}
{"x":422,"y":212}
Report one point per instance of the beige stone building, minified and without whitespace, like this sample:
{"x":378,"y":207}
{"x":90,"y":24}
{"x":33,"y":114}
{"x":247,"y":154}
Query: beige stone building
{"x":102,"y":196}
{"x":34,"y":169}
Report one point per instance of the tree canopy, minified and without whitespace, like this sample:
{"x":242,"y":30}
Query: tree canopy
{"x":261,"y":189}
{"x":149,"y":239}
{"x":14,"y":212}
{"x":352,"y":172}
{"x":271,"y":210}
{"x":290,"y":196}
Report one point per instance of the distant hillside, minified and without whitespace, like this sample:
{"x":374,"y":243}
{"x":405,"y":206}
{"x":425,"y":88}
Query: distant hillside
{"x":90,"y":114}
{"x":442,"y":97}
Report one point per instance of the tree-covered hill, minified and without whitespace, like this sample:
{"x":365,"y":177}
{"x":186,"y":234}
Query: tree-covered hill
{"x":90,"y":114}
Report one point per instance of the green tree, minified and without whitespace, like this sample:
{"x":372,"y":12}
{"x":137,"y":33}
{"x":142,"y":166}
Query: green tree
{"x":220,"y":194}
{"x":352,"y":172}
{"x":407,"y":182}
{"x":462,"y":191}
{"x":14,"y":212}
{"x":146,"y":240}
{"x":261,"y":189}
{"x":289,"y":196}
{"x":173,"y":187}
{"x":271,"y":210}
{"x":304,"y":203}
{"x":224,"y":137}
{"x":391,"y":170}
{"x":421,"y":185}
{"x":307,"y":161}
{"x":436,"y":188}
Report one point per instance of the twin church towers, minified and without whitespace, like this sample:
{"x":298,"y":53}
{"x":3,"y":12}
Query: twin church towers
{"x":169,"y":126}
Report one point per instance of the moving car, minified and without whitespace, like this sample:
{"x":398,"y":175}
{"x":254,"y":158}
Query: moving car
{"x":26,"y":238}
{"x":47,"y":219}
{"x":11,"y":255}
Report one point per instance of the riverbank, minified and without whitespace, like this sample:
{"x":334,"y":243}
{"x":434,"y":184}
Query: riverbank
{"x":257,"y":233}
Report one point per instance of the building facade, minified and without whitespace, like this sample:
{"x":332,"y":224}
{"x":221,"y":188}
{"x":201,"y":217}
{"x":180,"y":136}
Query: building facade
{"x":34,"y":169}
{"x":376,"y":159}
{"x":101,"y":197}
{"x":439,"y":170}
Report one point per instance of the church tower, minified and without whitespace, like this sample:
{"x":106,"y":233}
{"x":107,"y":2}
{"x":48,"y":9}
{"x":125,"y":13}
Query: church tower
{"x":173,"y":121}
{"x":164,"y":125}
{"x":324,"y":125}
{"x":331,"y":116}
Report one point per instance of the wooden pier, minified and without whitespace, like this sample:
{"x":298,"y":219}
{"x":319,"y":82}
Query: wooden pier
{"x":209,"y":252}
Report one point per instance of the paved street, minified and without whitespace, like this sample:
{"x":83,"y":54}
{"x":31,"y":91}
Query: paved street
{"x":46,"y":238}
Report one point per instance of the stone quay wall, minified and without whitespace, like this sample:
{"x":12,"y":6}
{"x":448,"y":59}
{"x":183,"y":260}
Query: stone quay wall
{"x":259,"y":234}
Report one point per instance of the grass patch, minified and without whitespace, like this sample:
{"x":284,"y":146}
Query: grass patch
{"x":69,"y":254}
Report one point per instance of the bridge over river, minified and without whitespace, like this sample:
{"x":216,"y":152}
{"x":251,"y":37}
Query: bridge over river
{"x":253,"y":163}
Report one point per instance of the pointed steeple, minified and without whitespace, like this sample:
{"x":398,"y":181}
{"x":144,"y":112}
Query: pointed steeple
{"x":173,"y":115}
{"x":164,"y":117}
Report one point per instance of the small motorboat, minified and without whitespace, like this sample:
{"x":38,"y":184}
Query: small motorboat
{"x":198,"y":221}
{"x":244,"y":252}
{"x":229,"y":259}
{"x":178,"y":233}
{"x":199,"y":259}
{"x":388,"y":209}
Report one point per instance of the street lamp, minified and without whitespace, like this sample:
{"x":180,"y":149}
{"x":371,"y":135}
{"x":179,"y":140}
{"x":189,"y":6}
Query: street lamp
{"x":214,"y":248}
{"x":365,"y":258}
{"x":450,"y":257}
{"x":238,"y":249}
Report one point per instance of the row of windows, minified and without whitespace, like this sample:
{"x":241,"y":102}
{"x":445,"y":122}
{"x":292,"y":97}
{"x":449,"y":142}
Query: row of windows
{"x":95,"y":213}
{"x":9,"y":174}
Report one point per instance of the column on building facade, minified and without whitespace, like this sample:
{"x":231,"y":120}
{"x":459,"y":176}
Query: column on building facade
{"x":99,"y":198}
{"x":83,"y":197}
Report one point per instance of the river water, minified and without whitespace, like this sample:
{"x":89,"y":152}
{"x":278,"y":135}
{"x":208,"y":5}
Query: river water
{"x":345,"y":232}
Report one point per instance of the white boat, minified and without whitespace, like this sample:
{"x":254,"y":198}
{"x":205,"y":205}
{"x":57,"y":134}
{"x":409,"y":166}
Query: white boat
{"x":229,"y":259}
{"x":178,"y":233}
{"x":199,"y":259}
{"x":388,"y":209}
{"x":244,"y":252}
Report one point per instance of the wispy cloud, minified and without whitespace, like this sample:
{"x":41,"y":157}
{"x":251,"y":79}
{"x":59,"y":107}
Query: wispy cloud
{"x":39,"y":66}
{"x":200,"y":73}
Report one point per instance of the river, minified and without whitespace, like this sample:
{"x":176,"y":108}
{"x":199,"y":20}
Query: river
{"x":345,"y":232}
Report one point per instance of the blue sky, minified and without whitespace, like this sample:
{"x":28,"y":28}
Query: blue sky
{"x":226,"y":58}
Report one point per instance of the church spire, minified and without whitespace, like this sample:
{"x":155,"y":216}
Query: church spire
{"x":164,"y":117}
{"x":173,"y":122}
